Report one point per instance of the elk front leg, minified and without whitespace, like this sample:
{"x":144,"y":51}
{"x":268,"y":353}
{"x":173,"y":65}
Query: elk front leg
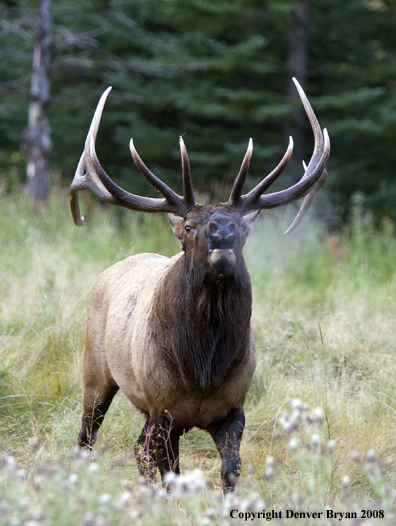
{"x":227,"y":435}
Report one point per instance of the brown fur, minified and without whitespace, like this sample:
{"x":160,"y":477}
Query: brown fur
{"x":174,"y":335}
{"x":217,"y":311}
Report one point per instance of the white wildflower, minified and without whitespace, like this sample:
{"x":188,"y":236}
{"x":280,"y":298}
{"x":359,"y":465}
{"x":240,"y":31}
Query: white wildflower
{"x":315,"y":439}
{"x":331,"y":445}
{"x":21,"y":473}
{"x":84,"y":454}
{"x":186,"y":485}
{"x":105,"y":498}
{"x":296,"y":403}
{"x":371,"y":456}
{"x":169,"y":478}
{"x":295,"y":416}
{"x":287,"y":425}
{"x":93,"y":468}
{"x":124,"y":499}
{"x":230,"y":502}
{"x":211,"y":513}
{"x":38,"y":480}
{"x":294,"y":445}
{"x":245,"y":505}
{"x":318,"y":415}
{"x":73,"y":478}
{"x":9,"y":464}
{"x":346,"y":481}
{"x":269,"y":472}
{"x":270,"y":460}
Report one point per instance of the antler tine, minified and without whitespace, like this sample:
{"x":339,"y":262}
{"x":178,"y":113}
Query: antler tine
{"x":83,"y":181}
{"x":74,"y":203}
{"x":248,"y":200}
{"x":188,"y":194}
{"x":317,"y":132}
{"x":308,"y":200}
{"x":254,"y":200}
{"x":236,"y":191}
{"x":84,"y":178}
{"x":301,"y":188}
{"x":90,"y":175}
{"x":128,"y":200}
{"x":171,"y":196}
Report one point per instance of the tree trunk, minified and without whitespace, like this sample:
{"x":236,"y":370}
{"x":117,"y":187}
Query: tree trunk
{"x":297,"y":67}
{"x":37,"y":140}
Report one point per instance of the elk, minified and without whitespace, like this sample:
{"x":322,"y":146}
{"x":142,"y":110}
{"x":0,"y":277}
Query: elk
{"x":174,"y":334}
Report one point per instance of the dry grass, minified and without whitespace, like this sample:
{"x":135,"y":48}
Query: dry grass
{"x":324,"y":324}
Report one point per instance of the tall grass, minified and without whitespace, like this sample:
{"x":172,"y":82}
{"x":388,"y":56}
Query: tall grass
{"x":324,"y":322}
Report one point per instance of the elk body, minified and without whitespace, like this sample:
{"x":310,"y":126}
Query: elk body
{"x":174,"y":334}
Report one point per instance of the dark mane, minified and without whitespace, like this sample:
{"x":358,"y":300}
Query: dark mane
{"x":203,"y":327}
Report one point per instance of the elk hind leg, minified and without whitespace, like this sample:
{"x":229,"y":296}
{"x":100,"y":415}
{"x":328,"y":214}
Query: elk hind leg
{"x":97,"y":400}
{"x":143,"y":453}
{"x":167,"y":453}
{"x":157,"y":446}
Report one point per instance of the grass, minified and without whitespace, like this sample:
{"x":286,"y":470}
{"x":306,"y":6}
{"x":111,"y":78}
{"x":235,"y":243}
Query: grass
{"x":325,"y":325}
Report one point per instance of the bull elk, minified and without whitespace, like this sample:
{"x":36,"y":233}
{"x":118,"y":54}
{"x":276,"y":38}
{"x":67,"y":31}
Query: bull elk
{"x":174,"y":334}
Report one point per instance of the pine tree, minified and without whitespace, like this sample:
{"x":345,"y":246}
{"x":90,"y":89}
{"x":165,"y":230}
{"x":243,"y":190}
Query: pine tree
{"x":216,"y":72}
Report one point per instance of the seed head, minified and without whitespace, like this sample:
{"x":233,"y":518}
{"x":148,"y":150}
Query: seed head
{"x":93,"y":468}
{"x":318,"y":415}
{"x":9,"y":464}
{"x":346,"y":481}
{"x":296,"y":403}
{"x":371,"y":456}
{"x":331,"y":445}
{"x":315,"y":441}
{"x":293,"y":445}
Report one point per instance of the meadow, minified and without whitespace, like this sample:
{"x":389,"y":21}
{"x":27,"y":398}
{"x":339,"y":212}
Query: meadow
{"x":320,"y":414}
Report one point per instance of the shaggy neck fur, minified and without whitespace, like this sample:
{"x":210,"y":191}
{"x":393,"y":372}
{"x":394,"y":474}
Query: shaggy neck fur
{"x":201,"y":321}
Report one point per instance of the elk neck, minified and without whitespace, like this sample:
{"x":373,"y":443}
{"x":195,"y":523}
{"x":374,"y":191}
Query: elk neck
{"x":201,"y":321}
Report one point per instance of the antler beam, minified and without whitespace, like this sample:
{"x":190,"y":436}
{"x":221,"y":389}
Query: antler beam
{"x":90,"y":175}
{"x":311,"y":182}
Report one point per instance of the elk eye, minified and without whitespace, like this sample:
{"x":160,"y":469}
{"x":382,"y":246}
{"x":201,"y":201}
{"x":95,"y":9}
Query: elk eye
{"x":188,"y":228}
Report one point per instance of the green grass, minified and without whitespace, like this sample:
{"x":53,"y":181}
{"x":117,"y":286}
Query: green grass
{"x":325,"y":326}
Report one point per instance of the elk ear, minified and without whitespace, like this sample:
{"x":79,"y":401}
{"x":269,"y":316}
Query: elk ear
{"x":176,"y":224}
{"x":251,"y":218}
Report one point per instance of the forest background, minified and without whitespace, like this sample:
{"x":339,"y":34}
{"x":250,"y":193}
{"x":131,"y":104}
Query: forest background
{"x":216,"y":73}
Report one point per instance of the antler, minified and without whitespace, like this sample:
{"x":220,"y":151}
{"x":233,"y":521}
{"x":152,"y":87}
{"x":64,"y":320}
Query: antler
{"x":311,"y":182}
{"x":90,"y":175}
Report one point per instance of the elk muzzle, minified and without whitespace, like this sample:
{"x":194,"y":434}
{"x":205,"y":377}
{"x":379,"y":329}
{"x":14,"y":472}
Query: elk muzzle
{"x":223,"y":232}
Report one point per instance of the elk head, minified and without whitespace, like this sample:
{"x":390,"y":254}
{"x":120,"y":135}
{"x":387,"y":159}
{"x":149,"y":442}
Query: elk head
{"x":215,"y":234}
{"x":221,"y":229}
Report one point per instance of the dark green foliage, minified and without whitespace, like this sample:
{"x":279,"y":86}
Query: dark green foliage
{"x":216,"y":73}
{"x":353,"y":72}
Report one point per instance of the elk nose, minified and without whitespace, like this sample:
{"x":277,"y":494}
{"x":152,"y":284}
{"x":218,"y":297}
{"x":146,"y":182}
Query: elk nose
{"x":219,"y":231}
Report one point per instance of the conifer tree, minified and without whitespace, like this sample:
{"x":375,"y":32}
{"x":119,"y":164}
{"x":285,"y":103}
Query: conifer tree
{"x":216,"y":72}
